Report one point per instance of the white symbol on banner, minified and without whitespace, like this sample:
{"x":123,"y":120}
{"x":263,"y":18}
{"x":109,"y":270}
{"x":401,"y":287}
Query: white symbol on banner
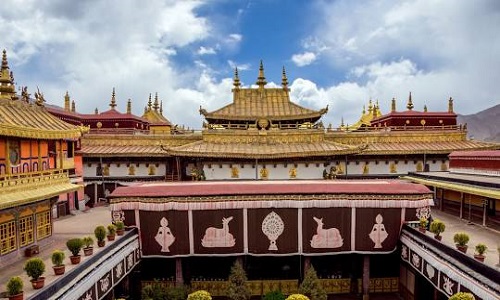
{"x":119,"y":270}
{"x":273,"y":227}
{"x":104,"y":283}
{"x":423,"y":212}
{"x":219,"y":237}
{"x":404,"y":252}
{"x":130,"y":260}
{"x":430,"y":271}
{"x":164,"y":236}
{"x":378,"y":233}
{"x":88,"y":296}
{"x":415,"y":260}
{"x":326,"y":238}
{"x":118,"y":215}
{"x":448,"y":285}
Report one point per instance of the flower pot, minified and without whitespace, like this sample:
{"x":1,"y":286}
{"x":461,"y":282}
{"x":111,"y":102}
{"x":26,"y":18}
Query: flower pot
{"x":38,"y":283}
{"x":479,"y":257}
{"x":88,"y":251}
{"x":422,"y":229}
{"x":75,"y":259}
{"x":462,"y":248}
{"x":120,"y":231}
{"x":19,"y":296}
{"x":101,"y":243}
{"x":111,"y":237}
{"x":438,"y":237}
{"x":59,"y":270}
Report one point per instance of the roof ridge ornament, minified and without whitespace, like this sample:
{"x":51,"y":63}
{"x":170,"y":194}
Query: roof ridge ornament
{"x":393,"y":104}
{"x":450,"y":105}
{"x":156,"y":105}
{"x":129,"y":106}
{"x":409,"y":105}
{"x":284,"y":79}
{"x":150,"y":103}
{"x":236,"y":79}
{"x":261,"y":80}
{"x":113,"y":99}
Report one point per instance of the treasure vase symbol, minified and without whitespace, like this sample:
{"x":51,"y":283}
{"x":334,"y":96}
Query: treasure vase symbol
{"x":272,"y":227}
{"x":164,"y":236}
{"x":378,"y":233}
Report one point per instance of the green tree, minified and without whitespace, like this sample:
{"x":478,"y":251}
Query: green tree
{"x":311,"y":286}
{"x":274,"y":295}
{"x":237,"y":288}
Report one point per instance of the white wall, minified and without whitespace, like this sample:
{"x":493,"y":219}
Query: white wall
{"x":122,"y":170}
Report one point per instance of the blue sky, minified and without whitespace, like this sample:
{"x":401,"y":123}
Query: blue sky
{"x":338,"y":53}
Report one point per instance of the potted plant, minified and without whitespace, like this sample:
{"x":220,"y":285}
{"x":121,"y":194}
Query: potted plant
{"x":461,"y":239}
{"x":15,"y":288}
{"x":111,"y":232}
{"x":437,"y":227}
{"x":88,"y":242}
{"x":75,"y":245}
{"x":57,"y":261}
{"x":462,"y":296}
{"x":423,"y":224}
{"x":480,"y":249}
{"x":120,"y":227}
{"x":100,"y":235}
{"x":35,"y":267}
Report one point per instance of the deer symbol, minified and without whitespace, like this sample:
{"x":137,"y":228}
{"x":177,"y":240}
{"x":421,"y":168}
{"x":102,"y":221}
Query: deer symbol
{"x":218,"y":237}
{"x":326,"y":238}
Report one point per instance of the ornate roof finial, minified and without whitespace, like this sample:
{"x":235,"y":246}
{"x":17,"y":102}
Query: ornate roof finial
{"x":425,"y":108}
{"x":129,"y":106}
{"x":66,"y":101}
{"x":450,"y":105}
{"x":409,"y":105}
{"x":370,"y":106}
{"x":161,"y":107}
{"x":5,"y":63}
{"x":261,"y":80}
{"x":284,"y":80}
{"x":342,"y":122}
{"x":145,"y":109}
{"x":236,"y":79}
{"x":96,"y":111}
{"x":364,"y":110}
{"x":156,"y":105}
{"x":73,"y":106}
{"x":113,"y":100}
{"x":393,"y":104}
{"x":150,"y":104}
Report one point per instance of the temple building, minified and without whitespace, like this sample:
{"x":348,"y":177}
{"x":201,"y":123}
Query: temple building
{"x":38,"y":169}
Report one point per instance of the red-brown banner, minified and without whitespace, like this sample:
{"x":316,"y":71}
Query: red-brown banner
{"x":218,"y":231}
{"x":326,"y":230}
{"x":164,"y":232}
{"x":377,"y":229}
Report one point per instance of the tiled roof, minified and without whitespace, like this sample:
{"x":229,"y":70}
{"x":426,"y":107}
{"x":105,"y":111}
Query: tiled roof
{"x":28,"y":195}
{"x":269,"y":187}
{"x":126,"y":151}
{"x":251,"y":104}
{"x":426,"y":147}
{"x":258,"y":150}
{"x":480,"y":153}
{"x":28,"y":120}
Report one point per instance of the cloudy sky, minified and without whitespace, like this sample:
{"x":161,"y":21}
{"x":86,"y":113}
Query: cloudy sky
{"x":338,"y":53}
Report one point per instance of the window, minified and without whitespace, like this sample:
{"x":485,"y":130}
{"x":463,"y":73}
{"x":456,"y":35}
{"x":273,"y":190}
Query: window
{"x":43,"y":225}
{"x":7,"y":237}
{"x":26,"y":230}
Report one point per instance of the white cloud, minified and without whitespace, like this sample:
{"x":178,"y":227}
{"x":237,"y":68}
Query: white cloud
{"x":235,"y":37}
{"x":204,"y":51}
{"x":304,"y":59}
{"x":241,"y":67}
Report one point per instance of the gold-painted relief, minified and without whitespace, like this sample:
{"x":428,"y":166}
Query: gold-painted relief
{"x":366,"y":169}
{"x":393,"y":167}
{"x":152,"y":170}
{"x":131,"y":170}
{"x":292,"y":172}
{"x":419,"y":167}
{"x":264,"y":173}
{"x":235,"y":172}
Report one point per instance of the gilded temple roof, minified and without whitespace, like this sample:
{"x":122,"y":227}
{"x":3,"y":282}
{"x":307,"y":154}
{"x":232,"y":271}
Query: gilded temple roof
{"x":250,"y":104}
{"x":154,"y":113}
{"x":434,"y":147}
{"x":123,"y":151}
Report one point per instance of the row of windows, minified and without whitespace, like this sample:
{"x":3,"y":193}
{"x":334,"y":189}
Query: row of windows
{"x":8,"y":237}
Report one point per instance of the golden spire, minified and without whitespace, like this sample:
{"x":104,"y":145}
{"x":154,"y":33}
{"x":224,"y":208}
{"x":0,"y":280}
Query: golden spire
{"x":342,"y":122}
{"x":370,"y":106}
{"x":284,"y":80}
{"x":5,"y":63}
{"x":73,"y":107}
{"x":6,"y":79}
{"x":156,"y":104}
{"x":150,"y":104}
{"x":96,"y":111}
{"x":450,"y":105}
{"x":66,"y":101}
{"x":364,"y":110}
{"x":129,"y":106}
{"x":161,"y":107}
{"x":425,"y":108}
{"x":113,"y":100}
{"x":409,"y":105}
{"x":393,"y":104}
{"x":236,"y":79}
{"x":261,"y":80}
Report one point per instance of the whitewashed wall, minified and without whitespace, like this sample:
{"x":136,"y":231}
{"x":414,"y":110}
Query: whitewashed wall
{"x":123,"y":170}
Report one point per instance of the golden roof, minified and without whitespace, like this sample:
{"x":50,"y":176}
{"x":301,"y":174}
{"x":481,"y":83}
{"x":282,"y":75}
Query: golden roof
{"x":261,"y":151}
{"x":431,"y":147}
{"x":126,"y":151}
{"x":257,"y":103}
{"x":366,"y":117}
{"x":154,"y":113}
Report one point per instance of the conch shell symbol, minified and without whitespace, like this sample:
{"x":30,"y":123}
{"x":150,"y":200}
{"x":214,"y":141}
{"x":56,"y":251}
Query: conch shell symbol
{"x":164,"y":236}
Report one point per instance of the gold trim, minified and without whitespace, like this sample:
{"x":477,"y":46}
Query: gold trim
{"x":494,"y":194}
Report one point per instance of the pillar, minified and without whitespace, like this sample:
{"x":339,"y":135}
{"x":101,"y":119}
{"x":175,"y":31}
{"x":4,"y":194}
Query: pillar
{"x":366,"y":277}
{"x":462,"y":198}
{"x":179,"y":279}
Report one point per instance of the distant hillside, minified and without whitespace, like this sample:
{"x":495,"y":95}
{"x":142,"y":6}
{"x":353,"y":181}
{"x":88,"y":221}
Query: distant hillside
{"x":484,"y":125}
